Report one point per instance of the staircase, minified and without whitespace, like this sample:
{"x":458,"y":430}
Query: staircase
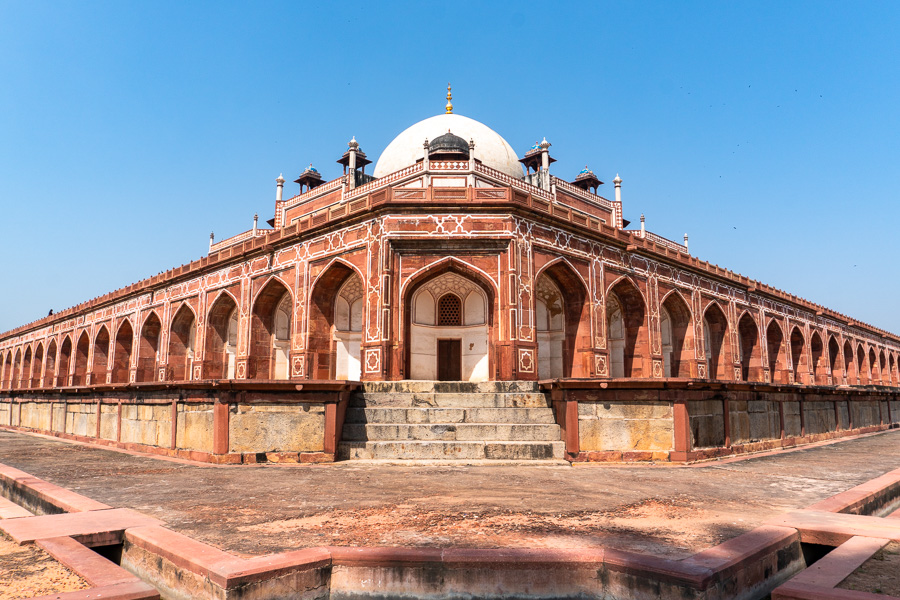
{"x":441,"y":420}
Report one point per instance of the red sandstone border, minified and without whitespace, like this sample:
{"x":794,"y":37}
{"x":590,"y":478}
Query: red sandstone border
{"x":737,"y":561}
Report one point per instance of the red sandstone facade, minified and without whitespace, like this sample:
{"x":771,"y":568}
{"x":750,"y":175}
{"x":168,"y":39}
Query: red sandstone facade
{"x":272,"y":294}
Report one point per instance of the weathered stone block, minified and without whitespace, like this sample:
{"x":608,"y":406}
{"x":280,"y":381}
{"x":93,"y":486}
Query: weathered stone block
{"x":277,"y":428}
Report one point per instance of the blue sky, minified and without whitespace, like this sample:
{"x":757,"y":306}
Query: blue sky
{"x":769,"y":132}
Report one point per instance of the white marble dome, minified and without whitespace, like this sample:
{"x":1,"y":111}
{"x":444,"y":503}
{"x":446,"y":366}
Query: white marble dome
{"x":491,"y":149}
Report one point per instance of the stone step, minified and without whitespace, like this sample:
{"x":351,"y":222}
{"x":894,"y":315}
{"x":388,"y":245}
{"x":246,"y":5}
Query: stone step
{"x":449,"y":432}
{"x":451,"y":400}
{"x":440,"y":450}
{"x":464,"y":387}
{"x":449,"y":415}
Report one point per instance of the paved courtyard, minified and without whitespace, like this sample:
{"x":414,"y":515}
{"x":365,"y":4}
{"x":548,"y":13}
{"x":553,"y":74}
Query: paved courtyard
{"x":662,"y":510}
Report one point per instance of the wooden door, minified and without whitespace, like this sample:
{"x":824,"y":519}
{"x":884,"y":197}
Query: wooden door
{"x":449,"y":358}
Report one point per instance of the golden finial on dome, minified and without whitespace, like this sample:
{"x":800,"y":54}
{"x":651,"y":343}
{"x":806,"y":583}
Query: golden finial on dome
{"x":449,"y":104}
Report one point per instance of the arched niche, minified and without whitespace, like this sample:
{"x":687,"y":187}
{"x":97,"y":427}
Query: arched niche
{"x":82,"y":350}
{"x":626,"y":331}
{"x":798,"y":356}
{"x":449,"y":335}
{"x":122,"y":352}
{"x":717,"y":346}
{"x":336,"y":311}
{"x":774,"y":340}
{"x":37,"y":367}
{"x":270,"y":332}
{"x":676,"y":336}
{"x":850,"y":364}
{"x":834,"y":361}
{"x":65,"y":361}
{"x":550,"y":327}
{"x":101,"y":356}
{"x":182,"y":340}
{"x":819,"y":364}
{"x":148,"y":348}
{"x":50,"y":379}
{"x":748,"y":343}
{"x":568,"y":316}
{"x":348,"y":321}
{"x":220,"y":356}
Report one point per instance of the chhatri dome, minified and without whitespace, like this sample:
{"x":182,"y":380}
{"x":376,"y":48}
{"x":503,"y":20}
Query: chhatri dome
{"x":490,"y":148}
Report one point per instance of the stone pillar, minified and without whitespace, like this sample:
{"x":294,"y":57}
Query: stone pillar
{"x":354,"y":146}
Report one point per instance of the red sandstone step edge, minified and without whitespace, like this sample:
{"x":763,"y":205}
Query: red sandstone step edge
{"x":819,"y":581}
{"x":63,"y":499}
{"x":855,"y":500}
{"x":108,"y":580}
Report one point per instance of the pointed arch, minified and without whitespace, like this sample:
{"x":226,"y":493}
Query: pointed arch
{"x":82,"y":350}
{"x":798,"y":356}
{"x":222,"y":320}
{"x":884,"y":377}
{"x":122,"y":352}
{"x":101,"y":356}
{"x":677,"y":335}
{"x":719,"y":360}
{"x":25,"y":373}
{"x":750,"y":351}
{"x":850,"y":364}
{"x":774,"y":341}
{"x":7,"y":371}
{"x":576,"y":350}
{"x":37,"y":367}
{"x":892,"y":369}
{"x":148,"y":348}
{"x":834,"y":362}
{"x":182,"y":339}
{"x":270,"y":331}
{"x":862,"y":368}
{"x":420,"y":347}
{"x":50,"y":379}
{"x":872,"y":364}
{"x":626,"y":316}
{"x":819,"y":360}
{"x":65,"y":361}
{"x":16,"y":381}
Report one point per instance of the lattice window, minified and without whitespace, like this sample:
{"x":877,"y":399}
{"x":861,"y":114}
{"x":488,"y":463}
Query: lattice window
{"x":449,"y":311}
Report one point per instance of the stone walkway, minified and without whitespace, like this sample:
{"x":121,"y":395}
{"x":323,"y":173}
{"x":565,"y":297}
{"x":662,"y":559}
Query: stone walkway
{"x":661,"y":510}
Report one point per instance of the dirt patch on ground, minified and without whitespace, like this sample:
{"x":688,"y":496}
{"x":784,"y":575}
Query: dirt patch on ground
{"x":27,"y":571}
{"x":660,"y":522}
{"x":878,"y":575}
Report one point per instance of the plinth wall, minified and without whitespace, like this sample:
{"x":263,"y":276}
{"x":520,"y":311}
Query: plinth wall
{"x":273,"y":422}
{"x":684,"y":420}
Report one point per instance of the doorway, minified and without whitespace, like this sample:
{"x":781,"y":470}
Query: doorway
{"x":449,"y":358}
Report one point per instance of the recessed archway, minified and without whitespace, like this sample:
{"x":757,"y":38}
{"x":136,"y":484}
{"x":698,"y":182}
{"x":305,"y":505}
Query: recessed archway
{"x":861,"y":367}
{"x":220,"y":356}
{"x":50,"y":379}
{"x":627,"y":331}
{"x":270,"y":332}
{"x":148,"y":348}
{"x":122,"y":353}
{"x":101,"y":356}
{"x":718,"y":350}
{"x":751,"y":359}
{"x":7,"y":371}
{"x":82,"y":349}
{"x":834,"y":353}
{"x":182,"y":337}
{"x":25,"y":373}
{"x":449,"y":338}
{"x":850,"y":364}
{"x":562,"y":322}
{"x":884,"y":376}
{"x":798,"y":356}
{"x":37,"y":368}
{"x":774,"y":339}
{"x":677,"y":336}
{"x":65,"y":361}
{"x":817,"y":349}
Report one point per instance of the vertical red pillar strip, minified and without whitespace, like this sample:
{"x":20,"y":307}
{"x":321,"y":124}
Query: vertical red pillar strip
{"x":682,"y":424}
{"x":174,"y":420}
{"x":220,"y":427}
{"x":329,"y":444}
{"x":573,"y":445}
{"x":726,"y":421}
